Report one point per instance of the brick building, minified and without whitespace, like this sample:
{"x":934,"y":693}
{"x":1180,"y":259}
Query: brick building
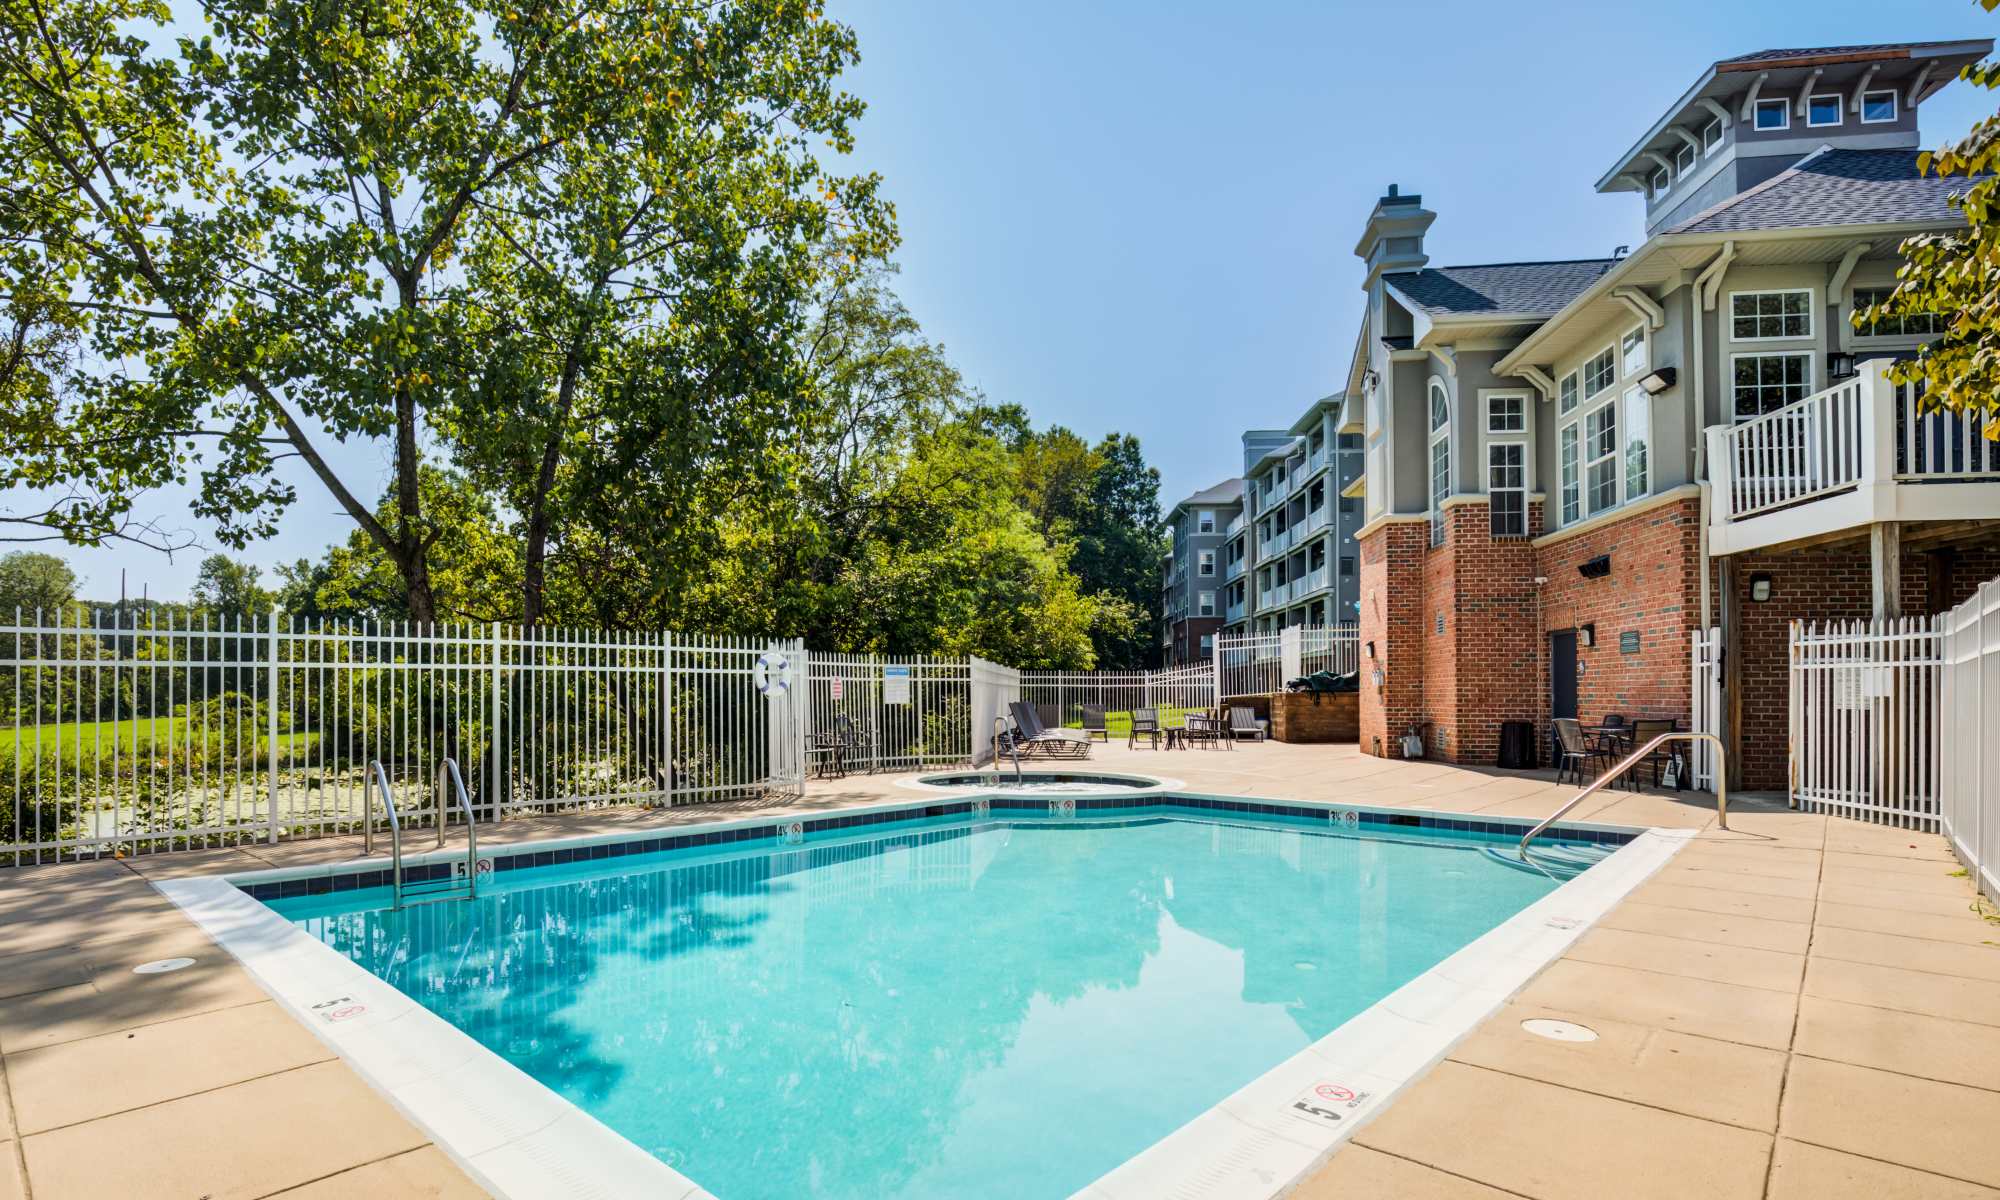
{"x":1570,"y":468}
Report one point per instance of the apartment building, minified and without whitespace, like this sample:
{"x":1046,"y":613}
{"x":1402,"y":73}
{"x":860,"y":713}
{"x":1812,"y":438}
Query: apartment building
{"x":1192,"y":578}
{"x":1570,"y":467}
{"x":1303,"y":509}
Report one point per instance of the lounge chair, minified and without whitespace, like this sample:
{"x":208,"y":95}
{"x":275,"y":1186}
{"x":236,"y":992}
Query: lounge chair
{"x":1243,"y":722}
{"x":1093,"y":722}
{"x":1030,"y":738}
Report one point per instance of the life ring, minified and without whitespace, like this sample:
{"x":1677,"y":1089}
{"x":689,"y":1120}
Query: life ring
{"x":772,"y":674}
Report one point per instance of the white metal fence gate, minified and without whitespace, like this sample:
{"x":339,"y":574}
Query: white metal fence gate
{"x":1260,"y":664}
{"x":130,"y":734}
{"x":1705,"y":690}
{"x":1865,"y":719}
{"x":881,"y":713}
{"x":1060,"y":697}
{"x":1969,"y":705}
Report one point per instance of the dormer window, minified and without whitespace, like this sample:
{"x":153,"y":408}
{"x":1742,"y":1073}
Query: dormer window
{"x":1711,"y":136}
{"x":1662,"y":179}
{"x":1878,"y":107}
{"x":1773,"y":114}
{"x":1822,"y":110}
{"x":1684,"y":161}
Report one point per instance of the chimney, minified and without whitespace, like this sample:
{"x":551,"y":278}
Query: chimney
{"x":1394,"y":238}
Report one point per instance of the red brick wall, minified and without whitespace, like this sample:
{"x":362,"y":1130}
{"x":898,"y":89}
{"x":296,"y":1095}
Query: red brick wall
{"x":1392,"y":605}
{"x":1490,"y":634}
{"x":1653,"y":590}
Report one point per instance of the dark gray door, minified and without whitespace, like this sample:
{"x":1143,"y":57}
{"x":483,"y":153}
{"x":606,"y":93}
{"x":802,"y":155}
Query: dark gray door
{"x":1562,"y":673}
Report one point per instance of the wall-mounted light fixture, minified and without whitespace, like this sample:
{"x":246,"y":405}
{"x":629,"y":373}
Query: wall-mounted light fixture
{"x":1586,"y":635}
{"x":1840,"y":365}
{"x":1658,"y":380}
{"x":1371,"y":649}
{"x":1760,"y":587}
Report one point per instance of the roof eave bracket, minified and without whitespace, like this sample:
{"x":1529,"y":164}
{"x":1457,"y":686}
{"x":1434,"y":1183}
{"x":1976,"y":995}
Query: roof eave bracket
{"x":1643,"y":305}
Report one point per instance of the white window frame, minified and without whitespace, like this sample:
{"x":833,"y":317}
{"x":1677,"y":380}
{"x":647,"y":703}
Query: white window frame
{"x":1205,"y":604}
{"x":1492,"y":509}
{"x":1204,"y":521}
{"x":1519,"y":417}
{"x":1895,"y":107}
{"x":1637,"y":439}
{"x":1684,"y":160}
{"x":1809,"y":357}
{"x":1783,"y":109}
{"x":1569,"y":471}
{"x":1204,"y":563}
{"x":1439,"y":444}
{"x":1663,"y":182}
{"x":1569,"y":391}
{"x":1610,"y":380}
{"x":1838,"y":104}
{"x":1627,"y":341}
{"x":1711,"y":145}
{"x":1729,"y":315}
{"x":1855,"y":305}
{"x":1590,"y":458}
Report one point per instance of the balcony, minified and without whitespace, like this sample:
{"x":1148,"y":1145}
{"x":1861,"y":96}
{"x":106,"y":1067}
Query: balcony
{"x":1275,"y":545}
{"x":1237,"y":611}
{"x":1234,"y":570}
{"x":1313,"y":581}
{"x":1237,"y":524}
{"x":1842,"y":459}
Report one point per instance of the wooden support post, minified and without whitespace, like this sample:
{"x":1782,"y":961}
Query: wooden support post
{"x":1885,"y":555}
{"x":1732,"y":669}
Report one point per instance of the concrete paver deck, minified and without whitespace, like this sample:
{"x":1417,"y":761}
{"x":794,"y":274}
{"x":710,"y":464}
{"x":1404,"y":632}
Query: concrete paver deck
{"x":1799,"y":1007}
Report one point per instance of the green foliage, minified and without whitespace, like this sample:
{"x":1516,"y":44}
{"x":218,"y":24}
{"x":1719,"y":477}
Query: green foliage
{"x":1955,"y":276}
{"x":224,"y":585}
{"x":31,"y":580}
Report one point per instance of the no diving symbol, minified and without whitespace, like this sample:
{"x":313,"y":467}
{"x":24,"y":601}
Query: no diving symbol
{"x":1327,"y":1104}
{"x":340,"y":1008}
{"x":1334,"y":1092}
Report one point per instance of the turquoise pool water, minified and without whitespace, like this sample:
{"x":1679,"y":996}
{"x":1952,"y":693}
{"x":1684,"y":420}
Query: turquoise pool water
{"x":1001,"y":1009}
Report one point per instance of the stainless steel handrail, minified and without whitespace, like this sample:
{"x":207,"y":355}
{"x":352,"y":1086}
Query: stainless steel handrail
{"x":379,"y":781}
{"x":1635,"y":758}
{"x":1000,"y":735}
{"x":449,"y":768}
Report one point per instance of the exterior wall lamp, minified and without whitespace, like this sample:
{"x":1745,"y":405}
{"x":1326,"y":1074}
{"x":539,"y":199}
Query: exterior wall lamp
{"x":1586,"y":635}
{"x":1760,"y":587}
{"x":1659,"y":380}
{"x":1840,"y":364}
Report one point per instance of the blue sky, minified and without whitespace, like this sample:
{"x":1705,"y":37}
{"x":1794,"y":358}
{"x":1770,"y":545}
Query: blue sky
{"x":1141,"y":216}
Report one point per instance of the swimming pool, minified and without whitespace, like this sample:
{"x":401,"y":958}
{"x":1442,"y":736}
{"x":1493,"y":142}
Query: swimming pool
{"x":1013,"y":998}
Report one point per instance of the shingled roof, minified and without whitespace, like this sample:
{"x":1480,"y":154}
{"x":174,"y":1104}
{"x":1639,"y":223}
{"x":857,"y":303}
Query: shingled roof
{"x":1515,"y":289}
{"x":1779,"y":58}
{"x":1836,"y":187}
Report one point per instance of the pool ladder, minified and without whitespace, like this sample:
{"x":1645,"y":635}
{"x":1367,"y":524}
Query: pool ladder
{"x":999,"y":737}
{"x":463,"y":886}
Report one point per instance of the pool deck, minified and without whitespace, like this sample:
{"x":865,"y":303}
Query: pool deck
{"x":1798,"y":1007}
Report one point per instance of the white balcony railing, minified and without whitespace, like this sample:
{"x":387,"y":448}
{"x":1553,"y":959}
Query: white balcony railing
{"x":1233,"y":570}
{"x":1274,"y":545}
{"x":1858,"y":452}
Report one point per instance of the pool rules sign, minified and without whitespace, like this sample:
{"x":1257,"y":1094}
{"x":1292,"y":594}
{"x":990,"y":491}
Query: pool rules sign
{"x":895,"y":685}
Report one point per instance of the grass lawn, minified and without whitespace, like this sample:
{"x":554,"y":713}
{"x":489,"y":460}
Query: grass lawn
{"x":1119,"y":724}
{"x":91,"y":738}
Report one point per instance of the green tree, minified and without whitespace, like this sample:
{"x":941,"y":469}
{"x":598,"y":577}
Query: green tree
{"x":1955,"y":276}
{"x":31,"y":581}
{"x":226,"y":585}
{"x":288,"y":227}
{"x":1118,"y":551}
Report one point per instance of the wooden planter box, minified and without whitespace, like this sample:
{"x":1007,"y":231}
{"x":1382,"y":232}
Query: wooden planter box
{"x":1336,"y":718}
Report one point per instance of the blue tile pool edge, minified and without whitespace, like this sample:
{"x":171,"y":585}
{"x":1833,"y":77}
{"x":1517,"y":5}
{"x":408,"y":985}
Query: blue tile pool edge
{"x":517,"y":1138}
{"x":757,"y":833}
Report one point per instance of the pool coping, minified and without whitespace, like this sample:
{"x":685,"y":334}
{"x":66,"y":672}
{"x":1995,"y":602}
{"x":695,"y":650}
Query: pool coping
{"x":519,"y":1138}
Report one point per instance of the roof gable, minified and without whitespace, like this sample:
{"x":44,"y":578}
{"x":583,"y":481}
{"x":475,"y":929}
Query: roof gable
{"x":1532,"y":289}
{"x":1836,"y":187}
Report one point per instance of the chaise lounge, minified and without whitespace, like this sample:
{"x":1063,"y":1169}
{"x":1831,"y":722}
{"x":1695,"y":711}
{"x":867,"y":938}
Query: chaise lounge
{"x":1030,"y":738}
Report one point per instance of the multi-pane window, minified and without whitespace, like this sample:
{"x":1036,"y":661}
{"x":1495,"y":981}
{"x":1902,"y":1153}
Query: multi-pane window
{"x":1711,"y":136}
{"x":1877,"y":107}
{"x":1207,"y":562}
{"x":1566,"y":394}
{"x":1773,"y":114}
{"x":1207,"y":603}
{"x":1600,"y":372}
{"x":1755,"y":315}
{"x":1904,"y":325}
{"x":1600,"y":449}
{"x":1205,"y":522}
{"x":1638,"y":427}
{"x":1823,"y":110}
{"x":1440,"y":460}
{"x":1632,"y":351}
{"x":1761,"y":383}
{"x":1506,"y":414}
{"x":1507,"y":488}
{"x":1572,"y":487}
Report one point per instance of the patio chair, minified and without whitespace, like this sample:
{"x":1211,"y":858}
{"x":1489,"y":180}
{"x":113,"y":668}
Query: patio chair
{"x":1645,"y":730}
{"x":1207,"y":728}
{"x":1574,"y":751}
{"x":1243,"y":722}
{"x":1093,"y":722}
{"x":1032,"y":738}
{"x":1145,"y":721}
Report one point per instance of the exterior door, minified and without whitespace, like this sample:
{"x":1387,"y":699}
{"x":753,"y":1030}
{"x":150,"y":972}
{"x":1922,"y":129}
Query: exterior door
{"x":1562,"y":673}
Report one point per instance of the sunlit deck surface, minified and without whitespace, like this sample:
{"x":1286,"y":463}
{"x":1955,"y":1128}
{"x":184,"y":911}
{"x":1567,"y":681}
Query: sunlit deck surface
{"x":1799,"y":1007}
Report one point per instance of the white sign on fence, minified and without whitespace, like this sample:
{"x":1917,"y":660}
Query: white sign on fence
{"x":895,"y":685}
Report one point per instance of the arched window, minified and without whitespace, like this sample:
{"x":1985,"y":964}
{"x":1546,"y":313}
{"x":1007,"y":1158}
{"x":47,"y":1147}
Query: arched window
{"x":1440,"y":458}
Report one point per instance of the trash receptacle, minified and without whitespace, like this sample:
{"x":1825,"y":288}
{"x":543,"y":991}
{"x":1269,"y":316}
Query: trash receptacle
{"x":1517,"y":744}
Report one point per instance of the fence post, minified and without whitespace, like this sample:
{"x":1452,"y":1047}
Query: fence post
{"x":271,"y":730}
{"x":494,"y":767}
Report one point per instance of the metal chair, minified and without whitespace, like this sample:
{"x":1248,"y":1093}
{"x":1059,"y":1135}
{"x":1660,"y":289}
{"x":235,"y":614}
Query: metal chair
{"x":1093,"y":722}
{"x":1573,"y":750}
{"x":1144,"y":721}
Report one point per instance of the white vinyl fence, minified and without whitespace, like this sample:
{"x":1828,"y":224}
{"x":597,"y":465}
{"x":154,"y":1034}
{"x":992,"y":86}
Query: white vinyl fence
{"x":1969,"y":702}
{"x":1260,"y":664}
{"x":1705,"y":666}
{"x":1865,"y":719}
